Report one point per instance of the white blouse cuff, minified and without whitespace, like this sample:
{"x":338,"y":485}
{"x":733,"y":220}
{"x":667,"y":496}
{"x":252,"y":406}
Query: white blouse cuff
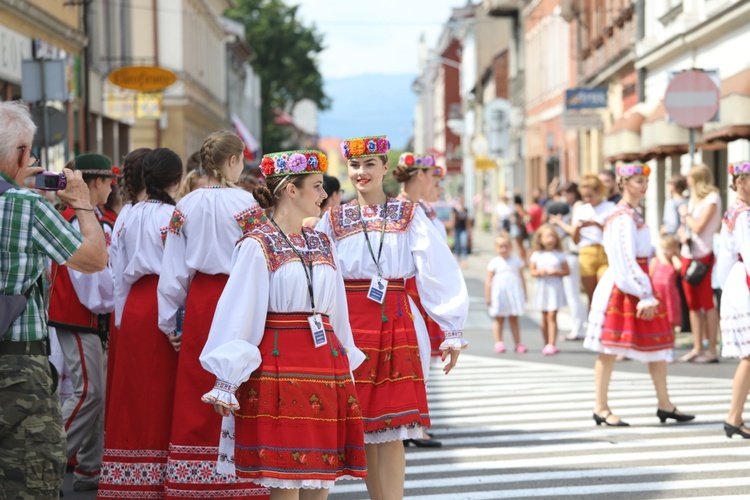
{"x":454,"y":341}
{"x":647,"y":302}
{"x":222,"y":394}
{"x":355,"y":356}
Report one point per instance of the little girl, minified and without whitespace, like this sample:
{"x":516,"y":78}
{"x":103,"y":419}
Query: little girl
{"x":548,"y":265}
{"x":505,"y":292}
{"x":664,"y":275}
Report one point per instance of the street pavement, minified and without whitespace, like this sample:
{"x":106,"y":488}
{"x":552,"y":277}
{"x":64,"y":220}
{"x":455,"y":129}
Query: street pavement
{"x":520,"y":425}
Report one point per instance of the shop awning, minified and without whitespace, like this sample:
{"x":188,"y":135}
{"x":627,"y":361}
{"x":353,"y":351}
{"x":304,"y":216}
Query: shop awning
{"x":623,"y":141}
{"x":734,"y":114}
{"x":251,"y":145}
{"x":660,"y":138}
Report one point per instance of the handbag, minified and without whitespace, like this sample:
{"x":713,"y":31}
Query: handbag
{"x":696,"y":270}
{"x":11,"y":306}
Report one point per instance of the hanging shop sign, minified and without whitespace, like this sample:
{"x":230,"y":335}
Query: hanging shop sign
{"x":582,"y":98}
{"x":143,"y":78}
{"x":14,"y":48}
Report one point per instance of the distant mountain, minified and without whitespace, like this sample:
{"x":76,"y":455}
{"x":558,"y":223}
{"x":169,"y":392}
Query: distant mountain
{"x":369,"y":105}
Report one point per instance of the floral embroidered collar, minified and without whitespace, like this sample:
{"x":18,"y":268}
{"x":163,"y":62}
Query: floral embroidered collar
{"x":733,"y":212}
{"x":345,"y":219}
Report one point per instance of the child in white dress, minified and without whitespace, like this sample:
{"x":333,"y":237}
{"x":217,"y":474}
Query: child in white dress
{"x":505,"y":292}
{"x":548,"y":265}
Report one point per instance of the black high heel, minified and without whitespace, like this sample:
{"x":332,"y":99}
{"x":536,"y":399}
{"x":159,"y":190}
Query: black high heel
{"x":731,"y":430}
{"x":603,"y":420}
{"x":680,"y":417}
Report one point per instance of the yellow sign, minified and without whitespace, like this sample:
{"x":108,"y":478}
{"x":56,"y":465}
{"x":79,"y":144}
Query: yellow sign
{"x":143,"y":78}
{"x":484,"y":164}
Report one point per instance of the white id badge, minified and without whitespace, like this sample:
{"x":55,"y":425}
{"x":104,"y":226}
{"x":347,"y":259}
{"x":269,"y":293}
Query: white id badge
{"x":318,"y":330}
{"x":378,"y":287}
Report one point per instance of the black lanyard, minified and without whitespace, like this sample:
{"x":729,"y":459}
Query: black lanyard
{"x":306,"y":265}
{"x":382,"y":234}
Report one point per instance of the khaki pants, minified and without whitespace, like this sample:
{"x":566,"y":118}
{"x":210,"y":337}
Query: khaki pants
{"x":32,"y":440}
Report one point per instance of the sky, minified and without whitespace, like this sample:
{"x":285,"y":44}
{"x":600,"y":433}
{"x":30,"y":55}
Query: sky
{"x":379,"y":36}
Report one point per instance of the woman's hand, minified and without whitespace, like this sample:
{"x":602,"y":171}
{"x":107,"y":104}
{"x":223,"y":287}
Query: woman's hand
{"x":647,"y":313}
{"x":175,"y":340}
{"x":222,"y":410}
{"x":683,"y":210}
{"x":454,"y":358}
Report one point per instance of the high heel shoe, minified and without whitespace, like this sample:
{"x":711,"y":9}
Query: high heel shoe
{"x":603,"y":420}
{"x":731,"y":430}
{"x":680,"y":417}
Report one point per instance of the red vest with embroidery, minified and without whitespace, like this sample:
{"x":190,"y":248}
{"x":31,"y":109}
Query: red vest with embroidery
{"x":65,"y":309}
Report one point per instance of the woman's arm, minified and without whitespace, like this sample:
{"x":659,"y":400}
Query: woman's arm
{"x":698,"y":225}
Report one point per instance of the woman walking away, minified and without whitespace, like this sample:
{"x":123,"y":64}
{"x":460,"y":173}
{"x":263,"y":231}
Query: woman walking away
{"x":202,"y":234}
{"x":505,"y":292}
{"x":627,"y":318}
{"x":137,"y":433}
{"x":734,"y":274}
{"x":381,"y":242}
{"x":281,"y":347}
{"x":548,"y":266}
{"x":701,"y":218}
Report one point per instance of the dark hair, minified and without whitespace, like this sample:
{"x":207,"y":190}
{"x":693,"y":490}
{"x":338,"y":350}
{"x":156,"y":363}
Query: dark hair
{"x":609,"y":173}
{"x":193,"y":162}
{"x":131,"y":181}
{"x":162,"y":168}
{"x":572,"y":187}
{"x":403,"y":174}
{"x":264,"y":194}
{"x":114,"y":198}
{"x":679,"y":182}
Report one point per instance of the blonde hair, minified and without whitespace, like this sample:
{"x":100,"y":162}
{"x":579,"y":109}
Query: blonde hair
{"x":536,"y":242}
{"x":703,"y":182}
{"x":190,"y":182}
{"x":217,"y":149}
{"x":669,"y":241}
{"x":502,"y":236}
{"x":592,"y":181}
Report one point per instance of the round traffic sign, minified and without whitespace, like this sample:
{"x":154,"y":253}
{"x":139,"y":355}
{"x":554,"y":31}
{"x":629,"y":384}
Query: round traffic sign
{"x":692,"y":98}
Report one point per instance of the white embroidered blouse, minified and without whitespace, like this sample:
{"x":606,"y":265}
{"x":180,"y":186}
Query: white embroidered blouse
{"x":735,"y":241}
{"x":211,"y":219}
{"x":411,"y":247}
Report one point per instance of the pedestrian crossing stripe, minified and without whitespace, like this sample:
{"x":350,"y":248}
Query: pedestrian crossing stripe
{"x":516,"y":429}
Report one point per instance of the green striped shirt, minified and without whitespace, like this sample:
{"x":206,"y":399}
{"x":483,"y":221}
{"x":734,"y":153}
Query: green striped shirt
{"x":31,"y":230}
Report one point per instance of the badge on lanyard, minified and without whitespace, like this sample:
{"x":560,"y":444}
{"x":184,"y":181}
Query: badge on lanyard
{"x":378,"y":287}
{"x":318,"y":330}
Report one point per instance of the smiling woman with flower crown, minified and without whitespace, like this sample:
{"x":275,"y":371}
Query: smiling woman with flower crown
{"x":627,"y":317}
{"x":381,"y":242}
{"x":281,"y":346}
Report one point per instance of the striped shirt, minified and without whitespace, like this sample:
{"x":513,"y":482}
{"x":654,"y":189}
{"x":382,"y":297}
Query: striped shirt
{"x":31,"y":230}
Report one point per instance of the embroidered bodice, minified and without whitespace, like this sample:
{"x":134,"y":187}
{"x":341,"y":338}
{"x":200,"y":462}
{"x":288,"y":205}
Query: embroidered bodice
{"x":313,"y":245}
{"x":345,"y":219}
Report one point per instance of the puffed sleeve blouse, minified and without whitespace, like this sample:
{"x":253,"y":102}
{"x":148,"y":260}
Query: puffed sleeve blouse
{"x":278,"y":284}
{"x":411,"y":247}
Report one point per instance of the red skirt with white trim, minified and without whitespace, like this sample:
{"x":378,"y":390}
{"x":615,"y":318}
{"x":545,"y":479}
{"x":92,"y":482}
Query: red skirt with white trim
{"x":299,"y":423}
{"x":434,"y":332}
{"x":196,"y":427}
{"x":622,"y":329}
{"x":141,"y":394}
{"x":390,"y":382}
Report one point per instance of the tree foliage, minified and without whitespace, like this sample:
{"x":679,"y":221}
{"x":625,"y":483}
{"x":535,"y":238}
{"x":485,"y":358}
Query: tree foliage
{"x":285,"y":61}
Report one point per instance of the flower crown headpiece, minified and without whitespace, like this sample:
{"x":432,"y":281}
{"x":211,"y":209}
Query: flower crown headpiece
{"x":438,"y":172}
{"x":412,"y":160}
{"x":305,"y":161}
{"x":631,"y":170}
{"x":360,"y":147}
{"x":739,"y":168}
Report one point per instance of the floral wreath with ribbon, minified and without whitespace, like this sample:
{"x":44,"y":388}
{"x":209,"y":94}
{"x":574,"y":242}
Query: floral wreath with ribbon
{"x":739,"y":168}
{"x":632,"y":170}
{"x":304,"y":161}
{"x":360,"y":147}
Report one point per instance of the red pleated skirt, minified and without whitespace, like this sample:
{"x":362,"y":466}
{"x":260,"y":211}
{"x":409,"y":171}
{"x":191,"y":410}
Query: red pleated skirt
{"x":142,"y":390}
{"x":299,"y":417}
{"x":196,"y":427}
{"x":623,"y":330}
{"x":433,"y":329}
{"x":390,"y":382}
{"x":111,"y":357}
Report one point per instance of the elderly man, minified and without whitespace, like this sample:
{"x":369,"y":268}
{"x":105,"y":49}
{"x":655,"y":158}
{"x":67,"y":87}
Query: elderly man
{"x":32,"y":440}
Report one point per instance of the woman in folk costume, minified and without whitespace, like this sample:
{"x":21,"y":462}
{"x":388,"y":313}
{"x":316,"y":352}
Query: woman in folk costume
{"x":282,"y":359}
{"x":381,"y":242}
{"x":204,"y":228}
{"x":626,"y":316}
{"x":416,"y":173}
{"x":137,"y":433}
{"x":733,"y":268}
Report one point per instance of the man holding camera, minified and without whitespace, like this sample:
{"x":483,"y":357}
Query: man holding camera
{"x":79,"y":308}
{"x":32,"y":441}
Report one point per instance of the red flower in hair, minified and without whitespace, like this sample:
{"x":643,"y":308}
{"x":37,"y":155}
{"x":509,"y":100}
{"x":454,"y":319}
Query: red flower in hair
{"x":409,"y":160}
{"x":267,"y":166}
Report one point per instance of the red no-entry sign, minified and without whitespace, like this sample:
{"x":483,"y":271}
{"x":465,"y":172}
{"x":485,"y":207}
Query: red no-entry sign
{"x":692,"y":98}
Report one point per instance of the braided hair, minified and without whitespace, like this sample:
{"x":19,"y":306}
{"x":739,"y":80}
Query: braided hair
{"x":162,"y":168}
{"x":216,"y":151}
{"x":131,"y":181}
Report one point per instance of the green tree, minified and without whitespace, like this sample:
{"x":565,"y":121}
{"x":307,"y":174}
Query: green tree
{"x":390,"y":185}
{"x":285,"y":61}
